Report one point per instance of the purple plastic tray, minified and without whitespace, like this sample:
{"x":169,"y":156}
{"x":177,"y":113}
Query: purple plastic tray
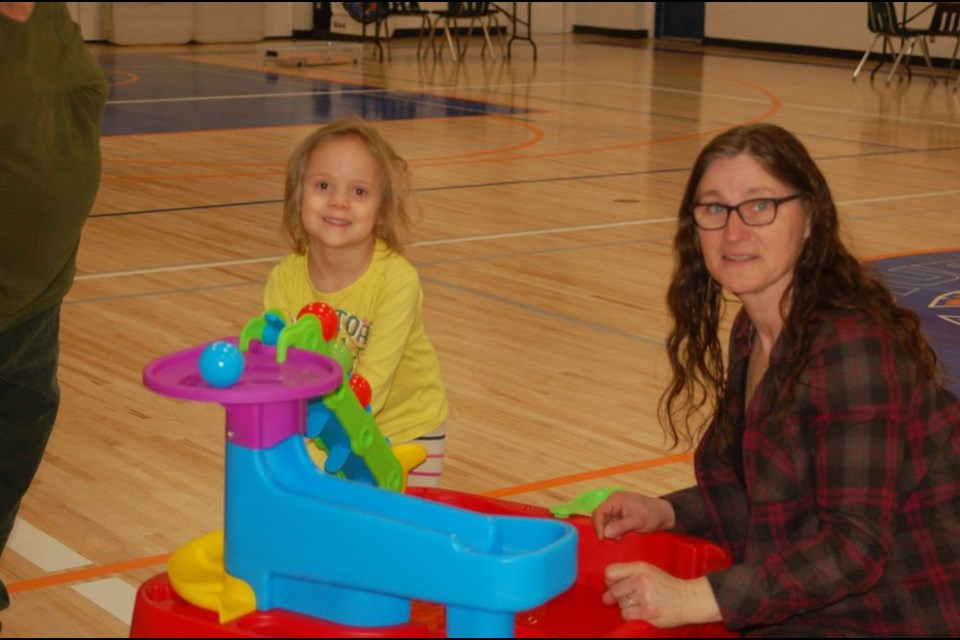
{"x":305,"y":374}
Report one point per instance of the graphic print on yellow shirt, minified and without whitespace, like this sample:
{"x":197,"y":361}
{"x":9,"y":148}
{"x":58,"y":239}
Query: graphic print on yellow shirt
{"x":355,"y":331}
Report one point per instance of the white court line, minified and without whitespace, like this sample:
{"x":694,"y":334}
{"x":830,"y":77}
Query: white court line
{"x":792,"y":105}
{"x":42,"y":549}
{"x":928,"y":194}
{"x":542,"y":232}
{"x":425,"y":243}
{"x":246,"y":96}
{"x":179,"y":267}
{"x":113,"y":595}
{"x":484,"y":238}
{"x":444,"y":90}
{"x":426,"y":91}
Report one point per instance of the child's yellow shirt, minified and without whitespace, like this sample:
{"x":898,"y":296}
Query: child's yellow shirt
{"x":381,"y":319}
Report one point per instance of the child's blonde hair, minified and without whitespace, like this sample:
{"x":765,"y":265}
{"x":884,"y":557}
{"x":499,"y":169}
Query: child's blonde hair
{"x":392,"y":218}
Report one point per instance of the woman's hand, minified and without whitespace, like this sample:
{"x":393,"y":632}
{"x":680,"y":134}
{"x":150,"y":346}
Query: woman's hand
{"x":624,"y":511}
{"x":646,"y":592}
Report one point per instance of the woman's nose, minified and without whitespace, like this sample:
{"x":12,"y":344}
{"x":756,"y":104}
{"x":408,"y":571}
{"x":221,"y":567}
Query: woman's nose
{"x":735,"y":228}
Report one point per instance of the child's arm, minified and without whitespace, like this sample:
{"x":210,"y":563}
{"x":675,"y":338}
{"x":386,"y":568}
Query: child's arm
{"x":397,"y":316}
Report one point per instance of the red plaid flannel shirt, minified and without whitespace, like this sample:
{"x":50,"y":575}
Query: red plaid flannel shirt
{"x":848,"y":522}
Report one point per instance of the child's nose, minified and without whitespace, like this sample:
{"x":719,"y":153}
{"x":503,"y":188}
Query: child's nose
{"x":338,"y":198}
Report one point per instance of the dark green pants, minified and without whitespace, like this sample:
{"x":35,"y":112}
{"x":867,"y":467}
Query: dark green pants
{"x":29,"y":398}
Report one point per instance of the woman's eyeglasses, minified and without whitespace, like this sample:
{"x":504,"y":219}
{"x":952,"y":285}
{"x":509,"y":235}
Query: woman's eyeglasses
{"x":758,"y":212}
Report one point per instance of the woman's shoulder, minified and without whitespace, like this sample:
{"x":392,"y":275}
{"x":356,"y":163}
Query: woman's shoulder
{"x":853,"y":335}
{"x":841,"y":324}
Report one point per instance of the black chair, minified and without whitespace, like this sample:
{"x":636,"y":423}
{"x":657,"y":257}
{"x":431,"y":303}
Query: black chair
{"x":883,"y":23}
{"x":403,"y":10}
{"x":368,"y":13}
{"x":447,"y":18}
{"x":484,"y":15}
{"x":481,"y":14}
{"x":946,"y":23}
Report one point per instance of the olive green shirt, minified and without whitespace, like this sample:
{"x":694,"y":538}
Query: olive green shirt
{"x":52,"y":95}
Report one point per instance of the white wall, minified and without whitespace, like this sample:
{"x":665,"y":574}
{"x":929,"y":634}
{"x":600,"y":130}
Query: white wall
{"x":87,"y":15}
{"x":283,"y":18}
{"x":280,"y":18}
{"x":625,"y":16}
{"x":834,"y":25}
{"x":546,"y":17}
{"x":837,"y":25}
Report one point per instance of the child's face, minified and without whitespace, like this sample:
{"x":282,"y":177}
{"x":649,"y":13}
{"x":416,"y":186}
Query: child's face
{"x":342,"y":191}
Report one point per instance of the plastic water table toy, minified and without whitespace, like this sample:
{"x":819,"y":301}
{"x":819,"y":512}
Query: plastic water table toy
{"x":305,"y":553}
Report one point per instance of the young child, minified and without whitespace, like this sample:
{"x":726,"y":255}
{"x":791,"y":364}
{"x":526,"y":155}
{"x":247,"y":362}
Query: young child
{"x":344,"y":212}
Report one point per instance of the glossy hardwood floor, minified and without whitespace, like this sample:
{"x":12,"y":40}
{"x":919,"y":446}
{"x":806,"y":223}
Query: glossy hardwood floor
{"x":543,"y":243}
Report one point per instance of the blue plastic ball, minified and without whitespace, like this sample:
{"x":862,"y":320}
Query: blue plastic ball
{"x":221,"y":364}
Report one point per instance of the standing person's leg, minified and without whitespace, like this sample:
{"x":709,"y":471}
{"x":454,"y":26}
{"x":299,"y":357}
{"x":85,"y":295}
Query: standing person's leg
{"x":29,"y":399}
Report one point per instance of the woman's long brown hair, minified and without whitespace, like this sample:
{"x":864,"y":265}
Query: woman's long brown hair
{"x":826,"y":278}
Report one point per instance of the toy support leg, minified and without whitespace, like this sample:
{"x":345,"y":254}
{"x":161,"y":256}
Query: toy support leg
{"x":473,"y":623}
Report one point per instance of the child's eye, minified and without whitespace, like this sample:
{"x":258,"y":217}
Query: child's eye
{"x":323,"y":186}
{"x":360,"y":191}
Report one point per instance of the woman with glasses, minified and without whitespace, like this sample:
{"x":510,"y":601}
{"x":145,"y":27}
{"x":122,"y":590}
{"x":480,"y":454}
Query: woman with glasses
{"x":828,"y":461}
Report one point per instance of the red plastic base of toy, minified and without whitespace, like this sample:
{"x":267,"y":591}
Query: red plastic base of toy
{"x":579,"y":612}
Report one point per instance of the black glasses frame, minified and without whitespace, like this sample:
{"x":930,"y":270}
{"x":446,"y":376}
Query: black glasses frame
{"x":728,"y":208}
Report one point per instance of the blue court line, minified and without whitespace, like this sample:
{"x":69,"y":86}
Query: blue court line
{"x":175,"y":96}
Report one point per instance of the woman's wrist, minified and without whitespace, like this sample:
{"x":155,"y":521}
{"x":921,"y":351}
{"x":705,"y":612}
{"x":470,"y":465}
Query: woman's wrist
{"x":703,"y":603}
{"x":668,"y":516}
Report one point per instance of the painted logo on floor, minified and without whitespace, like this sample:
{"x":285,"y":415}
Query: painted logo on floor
{"x":929,"y":284}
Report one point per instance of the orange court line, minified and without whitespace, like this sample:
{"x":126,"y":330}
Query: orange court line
{"x":775,"y":106}
{"x":88,"y":573}
{"x":587,"y":475}
{"x":476,"y":157}
{"x":906,"y":254}
{"x":131,"y":78}
{"x":277,"y":169}
{"x":537,"y":137}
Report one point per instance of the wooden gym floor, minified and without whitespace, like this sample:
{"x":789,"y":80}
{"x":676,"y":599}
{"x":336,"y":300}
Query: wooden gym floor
{"x":546,"y":195}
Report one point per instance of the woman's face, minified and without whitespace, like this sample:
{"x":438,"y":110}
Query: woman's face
{"x":755,"y":263}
